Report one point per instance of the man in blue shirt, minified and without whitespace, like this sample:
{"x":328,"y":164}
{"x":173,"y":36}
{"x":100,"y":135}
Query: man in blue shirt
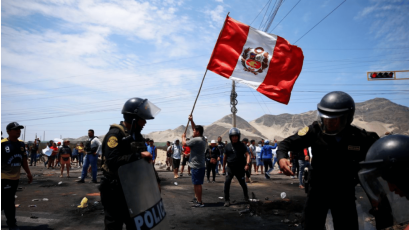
{"x":266,"y":155}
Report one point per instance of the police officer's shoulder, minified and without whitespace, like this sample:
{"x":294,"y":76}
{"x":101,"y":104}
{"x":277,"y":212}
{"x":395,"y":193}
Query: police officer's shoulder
{"x":364,"y":133}
{"x":115,"y":128}
{"x":4,"y":140}
{"x":313,"y":128}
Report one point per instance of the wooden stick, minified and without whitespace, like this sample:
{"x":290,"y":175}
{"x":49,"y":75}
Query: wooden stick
{"x":199,"y":91}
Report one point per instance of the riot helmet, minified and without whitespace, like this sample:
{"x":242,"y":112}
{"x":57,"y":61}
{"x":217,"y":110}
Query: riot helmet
{"x":387,"y":162}
{"x":139,"y":108}
{"x":335,"y":112}
{"x":234,"y":132}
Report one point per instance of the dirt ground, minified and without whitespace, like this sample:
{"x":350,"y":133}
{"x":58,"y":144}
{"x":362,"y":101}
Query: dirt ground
{"x":61,"y":212}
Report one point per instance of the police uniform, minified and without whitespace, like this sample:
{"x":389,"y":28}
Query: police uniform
{"x":12,"y":156}
{"x":116,"y":153}
{"x":333,"y":174}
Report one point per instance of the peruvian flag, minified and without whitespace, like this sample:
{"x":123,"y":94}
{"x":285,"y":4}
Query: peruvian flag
{"x":262,"y":61}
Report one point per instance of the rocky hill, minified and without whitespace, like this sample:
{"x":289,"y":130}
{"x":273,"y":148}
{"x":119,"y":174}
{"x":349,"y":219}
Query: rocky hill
{"x":379,"y":115}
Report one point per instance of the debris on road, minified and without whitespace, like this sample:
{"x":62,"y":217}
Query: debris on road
{"x":34,"y":217}
{"x":59,"y":183}
{"x":221,"y":198}
{"x":266,"y":198}
{"x":175,"y":183}
{"x":83,"y":203}
{"x":33,"y":206}
{"x":17,"y":205}
{"x":283,"y":195}
{"x":45,"y":199}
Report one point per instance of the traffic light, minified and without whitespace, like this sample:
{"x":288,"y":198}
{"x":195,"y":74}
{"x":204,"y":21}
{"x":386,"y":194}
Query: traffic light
{"x":382,"y":75}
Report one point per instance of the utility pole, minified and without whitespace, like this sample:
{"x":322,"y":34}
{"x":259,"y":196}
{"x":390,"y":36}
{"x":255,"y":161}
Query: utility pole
{"x":234,"y":102}
{"x":25,"y":127}
{"x":44,"y":135}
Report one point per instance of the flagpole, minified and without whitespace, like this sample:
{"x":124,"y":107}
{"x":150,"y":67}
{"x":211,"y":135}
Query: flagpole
{"x":199,"y":91}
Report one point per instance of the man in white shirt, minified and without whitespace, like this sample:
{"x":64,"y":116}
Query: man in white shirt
{"x":176,"y":150}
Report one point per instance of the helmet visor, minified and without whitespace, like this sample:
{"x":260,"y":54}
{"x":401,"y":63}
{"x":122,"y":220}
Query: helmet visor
{"x":147,"y":110}
{"x":369,"y":179}
{"x":331,"y":124}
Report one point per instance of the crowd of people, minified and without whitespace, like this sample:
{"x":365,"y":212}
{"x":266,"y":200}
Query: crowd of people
{"x":67,"y":156}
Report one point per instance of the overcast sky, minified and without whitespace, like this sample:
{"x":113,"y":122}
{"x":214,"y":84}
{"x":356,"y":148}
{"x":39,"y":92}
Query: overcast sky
{"x":68,"y":66}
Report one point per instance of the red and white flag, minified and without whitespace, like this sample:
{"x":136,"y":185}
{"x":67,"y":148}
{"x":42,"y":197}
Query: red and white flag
{"x":262,"y":61}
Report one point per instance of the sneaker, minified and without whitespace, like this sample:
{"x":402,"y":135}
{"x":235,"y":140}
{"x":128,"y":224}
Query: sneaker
{"x":267,"y":176}
{"x":209,"y":181}
{"x":194,"y":200}
{"x":223,"y":174}
{"x":213,"y":181}
{"x":292,"y":177}
{"x":198,"y":205}
{"x":227,"y":203}
{"x":94,"y":181}
{"x":180,"y":174}
{"x":246,"y":198}
{"x":80,"y":181}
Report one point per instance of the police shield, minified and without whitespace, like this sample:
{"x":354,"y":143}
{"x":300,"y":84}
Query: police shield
{"x":142,"y":195}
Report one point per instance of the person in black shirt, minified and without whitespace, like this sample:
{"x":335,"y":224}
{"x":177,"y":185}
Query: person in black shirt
{"x":212,"y":158}
{"x":238,"y":159}
{"x":221,"y":147}
{"x":337,"y":148}
{"x":33,"y":152}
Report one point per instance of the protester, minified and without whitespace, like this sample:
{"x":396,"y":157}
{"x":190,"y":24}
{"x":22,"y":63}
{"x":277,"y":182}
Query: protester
{"x":213,"y":156}
{"x":303,"y":163}
{"x":169,"y":156}
{"x":238,"y":160}
{"x":33,"y":153}
{"x":266,"y":155}
{"x":80,"y":149}
{"x":147,"y":142}
{"x":221,"y":147}
{"x":186,"y":153}
{"x":13,"y":157}
{"x":198,"y":145}
{"x":74,"y":155}
{"x":259,"y":162}
{"x":151,"y":148}
{"x":176,"y":151}
{"x":49,"y":144}
{"x":294,"y":157}
{"x":245,"y":141}
{"x":57,"y":161}
{"x":64,"y":156}
{"x":52,"y":158}
{"x":252,"y":149}
{"x":92,"y":146}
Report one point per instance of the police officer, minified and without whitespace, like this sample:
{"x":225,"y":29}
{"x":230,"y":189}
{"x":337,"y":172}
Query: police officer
{"x":337,"y":148}
{"x":239,"y":161}
{"x":13,"y":156}
{"x":386,"y":171}
{"x":121,"y":145}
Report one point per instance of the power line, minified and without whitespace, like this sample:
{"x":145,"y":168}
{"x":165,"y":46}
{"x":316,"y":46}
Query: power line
{"x":320,"y":21}
{"x":259,"y":12}
{"x":285,"y":16}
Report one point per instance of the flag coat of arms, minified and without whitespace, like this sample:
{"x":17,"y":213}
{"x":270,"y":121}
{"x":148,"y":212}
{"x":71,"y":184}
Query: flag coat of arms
{"x":265,"y":62}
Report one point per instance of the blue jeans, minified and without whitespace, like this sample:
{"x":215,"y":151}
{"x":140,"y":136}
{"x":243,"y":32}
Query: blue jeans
{"x":33,"y":157}
{"x":275,"y":159}
{"x":302,"y":165}
{"x":80,"y":159}
{"x":90,"y":159}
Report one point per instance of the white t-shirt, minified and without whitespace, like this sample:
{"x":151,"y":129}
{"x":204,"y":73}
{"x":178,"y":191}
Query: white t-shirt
{"x":274,"y":152}
{"x":177,"y":151}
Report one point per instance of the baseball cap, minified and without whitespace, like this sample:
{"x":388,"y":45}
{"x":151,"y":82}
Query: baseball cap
{"x":14,"y":125}
{"x":266,"y":142}
{"x":213,"y":142}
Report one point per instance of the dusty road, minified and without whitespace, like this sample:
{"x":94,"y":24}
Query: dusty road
{"x":61,"y":212}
